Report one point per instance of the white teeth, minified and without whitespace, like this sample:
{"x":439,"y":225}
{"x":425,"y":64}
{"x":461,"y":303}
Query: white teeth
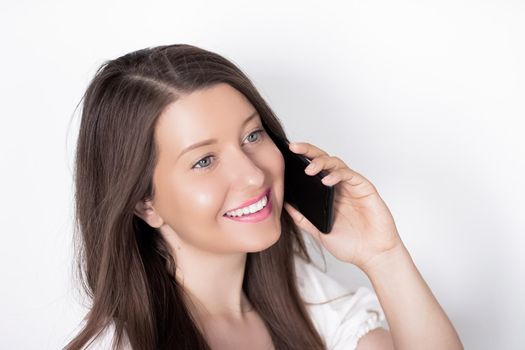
{"x":255,"y":207}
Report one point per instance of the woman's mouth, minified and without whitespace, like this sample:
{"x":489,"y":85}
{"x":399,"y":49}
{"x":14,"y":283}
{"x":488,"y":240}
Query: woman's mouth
{"x":254,"y":212}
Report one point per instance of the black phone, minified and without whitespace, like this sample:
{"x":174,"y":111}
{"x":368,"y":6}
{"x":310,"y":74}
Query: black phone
{"x":304,"y":192}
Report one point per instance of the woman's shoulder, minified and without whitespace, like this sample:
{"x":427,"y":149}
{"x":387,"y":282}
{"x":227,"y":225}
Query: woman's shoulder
{"x":341,"y":315}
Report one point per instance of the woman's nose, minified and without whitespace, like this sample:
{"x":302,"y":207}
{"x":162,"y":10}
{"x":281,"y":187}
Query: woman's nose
{"x":245,"y":171}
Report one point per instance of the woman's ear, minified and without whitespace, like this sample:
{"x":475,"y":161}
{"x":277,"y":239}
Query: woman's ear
{"x":145,"y":210}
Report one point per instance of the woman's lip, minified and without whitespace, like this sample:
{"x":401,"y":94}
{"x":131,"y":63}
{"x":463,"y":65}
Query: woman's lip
{"x":253,"y":200}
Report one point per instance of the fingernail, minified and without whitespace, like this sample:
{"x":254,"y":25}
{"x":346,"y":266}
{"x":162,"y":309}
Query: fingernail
{"x":327,"y":178}
{"x":310,"y":167}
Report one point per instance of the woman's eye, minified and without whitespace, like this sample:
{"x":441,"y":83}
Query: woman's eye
{"x":256,"y":132}
{"x":202,"y":164}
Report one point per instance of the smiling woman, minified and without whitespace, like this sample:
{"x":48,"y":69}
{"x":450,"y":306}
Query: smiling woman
{"x":182,"y":240}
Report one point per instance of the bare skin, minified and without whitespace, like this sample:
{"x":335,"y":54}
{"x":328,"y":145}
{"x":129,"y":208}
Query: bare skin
{"x":364,"y":234}
{"x":210,"y":249}
{"x":249,"y":332}
{"x":243,"y":329}
{"x":193,"y":191}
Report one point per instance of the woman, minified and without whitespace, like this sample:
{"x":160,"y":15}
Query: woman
{"x":173,"y":152}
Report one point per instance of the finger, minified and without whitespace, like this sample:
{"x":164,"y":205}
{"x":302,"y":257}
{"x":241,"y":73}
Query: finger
{"x":306,"y":149}
{"x":324,"y":162}
{"x":346,"y":174}
{"x":359,"y":184}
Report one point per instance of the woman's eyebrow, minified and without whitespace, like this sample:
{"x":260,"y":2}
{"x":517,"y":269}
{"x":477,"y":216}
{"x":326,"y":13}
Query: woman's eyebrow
{"x":212,"y":141}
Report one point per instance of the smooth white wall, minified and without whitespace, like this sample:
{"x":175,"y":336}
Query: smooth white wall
{"x":425,"y":99}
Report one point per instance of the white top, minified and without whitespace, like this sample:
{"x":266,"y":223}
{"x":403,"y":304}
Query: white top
{"x":344,"y":320}
{"x":340,"y":322}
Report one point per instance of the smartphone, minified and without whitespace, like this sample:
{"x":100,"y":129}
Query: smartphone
{"x":304,"y":192}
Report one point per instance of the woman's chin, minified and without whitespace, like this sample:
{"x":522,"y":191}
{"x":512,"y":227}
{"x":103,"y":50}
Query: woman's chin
{"x":260,"y":243}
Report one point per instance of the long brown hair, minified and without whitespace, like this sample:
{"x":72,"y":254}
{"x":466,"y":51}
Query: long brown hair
{"x":123,"y":263}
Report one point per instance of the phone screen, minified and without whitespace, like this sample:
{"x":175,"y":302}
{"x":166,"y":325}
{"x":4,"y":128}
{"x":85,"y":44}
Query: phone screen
{"x":305,"y":192}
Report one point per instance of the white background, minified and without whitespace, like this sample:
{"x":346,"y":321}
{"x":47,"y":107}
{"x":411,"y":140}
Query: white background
{"x":425,"y":99}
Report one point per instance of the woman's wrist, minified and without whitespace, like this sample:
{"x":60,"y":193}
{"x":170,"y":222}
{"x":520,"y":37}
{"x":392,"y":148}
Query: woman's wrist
{"x":387,"y":260}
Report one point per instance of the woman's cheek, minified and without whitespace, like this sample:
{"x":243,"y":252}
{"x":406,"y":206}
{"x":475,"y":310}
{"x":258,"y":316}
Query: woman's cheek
{"x":278,"y":160}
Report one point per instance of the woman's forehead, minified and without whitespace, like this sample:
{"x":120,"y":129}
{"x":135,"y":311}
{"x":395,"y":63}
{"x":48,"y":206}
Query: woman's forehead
{"x":204,"y":114}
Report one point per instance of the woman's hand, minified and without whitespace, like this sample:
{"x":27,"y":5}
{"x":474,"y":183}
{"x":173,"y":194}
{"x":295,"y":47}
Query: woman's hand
{"x":363,"y":227}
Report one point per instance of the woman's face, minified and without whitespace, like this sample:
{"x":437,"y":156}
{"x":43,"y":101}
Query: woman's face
{"x":195,"y":188}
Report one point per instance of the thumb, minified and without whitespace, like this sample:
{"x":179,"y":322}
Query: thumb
{"x":302,"y":222}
